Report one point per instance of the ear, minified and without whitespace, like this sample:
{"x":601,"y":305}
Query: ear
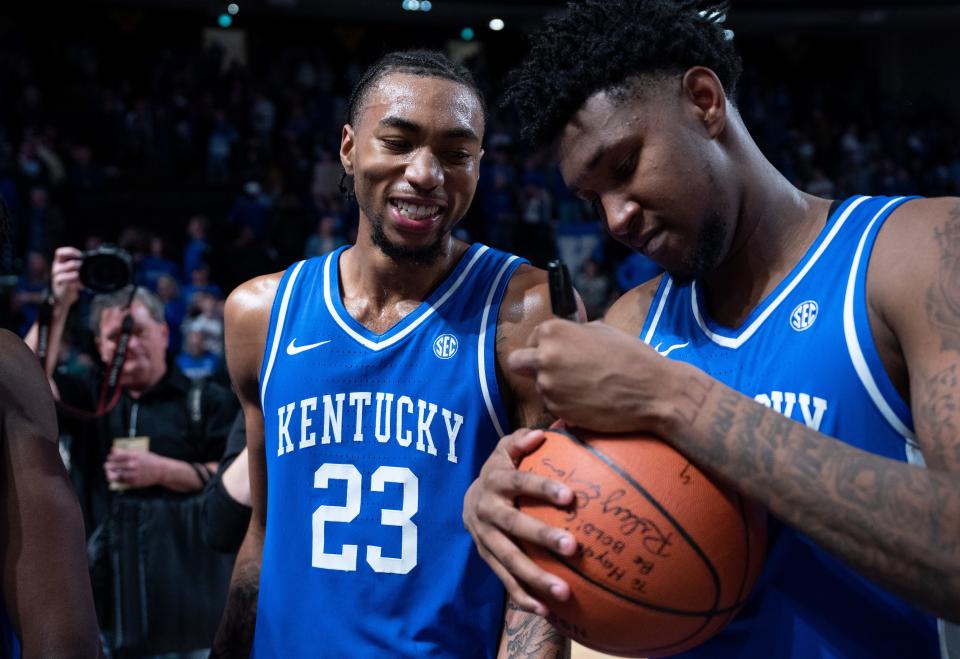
{"x":346,"y":149}
{"x":702,"y":88}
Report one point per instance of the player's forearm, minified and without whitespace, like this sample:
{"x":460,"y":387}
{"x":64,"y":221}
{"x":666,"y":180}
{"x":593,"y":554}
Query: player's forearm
{"x":895,"y":523}
{"x":527,"y":635}
{"x":235,"y":634}
{"x":58,"y":322}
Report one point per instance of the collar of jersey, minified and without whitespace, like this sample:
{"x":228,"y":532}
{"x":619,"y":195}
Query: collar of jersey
{"x":736,"y":337}
{"x":410,"y":322}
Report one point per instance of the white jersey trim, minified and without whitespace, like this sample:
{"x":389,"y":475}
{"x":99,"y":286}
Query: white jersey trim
{"x":737,"y":341}
{"x":656,"y":315}
{"x":278,"y":331}
{"x":386,"y":343}
{"x":853,"y":343}
{"x":481,"y":357}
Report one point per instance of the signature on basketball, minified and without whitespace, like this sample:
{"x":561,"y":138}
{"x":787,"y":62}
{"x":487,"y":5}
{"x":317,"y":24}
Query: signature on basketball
{"x":629,"y":522}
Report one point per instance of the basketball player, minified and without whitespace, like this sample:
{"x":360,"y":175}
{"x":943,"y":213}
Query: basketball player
{"x":814,"y":345}
{"x":47,"y":608}
{"x":369,"y":382}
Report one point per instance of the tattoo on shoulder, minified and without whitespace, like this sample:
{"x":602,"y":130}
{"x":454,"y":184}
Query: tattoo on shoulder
{"x":943,"y":297}
{"x":938,"y":413}
{"x":529,"y":635}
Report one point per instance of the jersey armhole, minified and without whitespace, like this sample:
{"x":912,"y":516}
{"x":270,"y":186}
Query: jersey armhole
{"x":487,"y":345}
{"x":859,"y":338}
{"x":278,"y":314}
{"x":657,"y":304}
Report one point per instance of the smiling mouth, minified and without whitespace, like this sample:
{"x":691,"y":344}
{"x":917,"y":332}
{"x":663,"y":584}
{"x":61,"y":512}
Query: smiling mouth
{"x":414,"y":211}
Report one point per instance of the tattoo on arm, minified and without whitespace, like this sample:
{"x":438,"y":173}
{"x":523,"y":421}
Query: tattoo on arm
{"x":892,"y":522}
{"x":529,"y":635}
{"x":943,"y":297}
{"x":694,"y":395}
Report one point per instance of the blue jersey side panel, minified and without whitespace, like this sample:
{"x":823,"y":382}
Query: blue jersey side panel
{"x":9,"y":644}
{"x":807,"y":351}
{"x":371,"y":443}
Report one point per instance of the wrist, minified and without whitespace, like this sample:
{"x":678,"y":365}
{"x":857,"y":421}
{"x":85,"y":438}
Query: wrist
{"x":687,"y":390}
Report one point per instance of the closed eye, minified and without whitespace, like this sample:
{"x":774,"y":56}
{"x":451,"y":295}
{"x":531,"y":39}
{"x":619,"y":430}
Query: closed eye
{"x":624,"y":170}
{"x":395,"y":144}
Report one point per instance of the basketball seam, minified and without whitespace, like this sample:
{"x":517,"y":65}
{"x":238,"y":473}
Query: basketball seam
{"x":707,"y":613}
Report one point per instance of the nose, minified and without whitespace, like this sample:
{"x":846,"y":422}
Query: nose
{"x":619,"y":213}
{"x":424,"y":171}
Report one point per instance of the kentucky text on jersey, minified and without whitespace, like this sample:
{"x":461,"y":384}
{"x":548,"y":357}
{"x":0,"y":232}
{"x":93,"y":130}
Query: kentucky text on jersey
{"x":371,"y":417}
{"x":802,"y":407}
{"x":371,"y":443}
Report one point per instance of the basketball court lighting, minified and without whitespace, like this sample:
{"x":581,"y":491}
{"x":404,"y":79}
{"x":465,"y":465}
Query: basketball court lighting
{"x":233,"y":8}
{"x":496,"y":24}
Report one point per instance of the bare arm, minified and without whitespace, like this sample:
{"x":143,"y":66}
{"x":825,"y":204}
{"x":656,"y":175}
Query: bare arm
{"x":46,"y":585}
{"x":527,"y":636}
{"x":65,"y":286}
{"x":893,"y":522}
{"x":489,"y":512}
{"x":526,"y":304}
{"x":247,"y":315}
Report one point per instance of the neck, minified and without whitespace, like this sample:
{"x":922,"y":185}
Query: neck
{"x":776,"y":224}
{"x":378,"y":291}
{"x":140,"y":388}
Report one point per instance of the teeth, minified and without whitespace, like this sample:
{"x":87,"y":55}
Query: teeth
{"x":415,"y":211}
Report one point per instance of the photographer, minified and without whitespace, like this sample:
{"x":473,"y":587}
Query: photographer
{"x":142,"y":465}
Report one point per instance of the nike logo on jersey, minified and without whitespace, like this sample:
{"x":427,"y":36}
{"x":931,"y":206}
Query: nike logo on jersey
{"x":666,"y":353}
{"x":296,"y":350}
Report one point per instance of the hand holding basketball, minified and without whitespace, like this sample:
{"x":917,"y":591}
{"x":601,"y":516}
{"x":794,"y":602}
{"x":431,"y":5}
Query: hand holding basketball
{"x":496,"y":525}
{"x":597,"y":376}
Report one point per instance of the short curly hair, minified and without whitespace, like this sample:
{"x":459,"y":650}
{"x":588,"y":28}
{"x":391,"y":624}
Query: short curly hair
{"x":418,"y":62}
{"x":599,"y":45}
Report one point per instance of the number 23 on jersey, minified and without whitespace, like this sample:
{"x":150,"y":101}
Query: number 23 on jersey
{"x":346,"y":560}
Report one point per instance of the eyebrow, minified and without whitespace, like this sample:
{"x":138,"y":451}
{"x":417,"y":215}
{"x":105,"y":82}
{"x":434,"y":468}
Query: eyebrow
{"x":595,"y":159}
{"x":461,"y":132}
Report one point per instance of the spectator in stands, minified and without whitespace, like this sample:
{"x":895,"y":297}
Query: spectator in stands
{"x":156,"y":264}
{"x":196,"y":361}
{"x":325,"y":239}
{"x":186,"y":427}
{"x":595,"y":289}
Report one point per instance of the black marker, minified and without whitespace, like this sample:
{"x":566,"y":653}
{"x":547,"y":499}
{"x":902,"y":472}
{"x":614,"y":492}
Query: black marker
{"x":563,"y":302}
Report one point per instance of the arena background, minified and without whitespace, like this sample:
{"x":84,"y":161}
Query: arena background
{"x":122,"y":121}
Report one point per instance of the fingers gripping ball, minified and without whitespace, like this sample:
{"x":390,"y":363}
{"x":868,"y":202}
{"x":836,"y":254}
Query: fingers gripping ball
{"x":665,"y":556}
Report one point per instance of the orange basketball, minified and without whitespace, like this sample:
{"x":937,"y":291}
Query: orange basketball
{"x":665,"y":555}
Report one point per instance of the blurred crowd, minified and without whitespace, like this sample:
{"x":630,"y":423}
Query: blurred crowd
{"x":243,"y":154}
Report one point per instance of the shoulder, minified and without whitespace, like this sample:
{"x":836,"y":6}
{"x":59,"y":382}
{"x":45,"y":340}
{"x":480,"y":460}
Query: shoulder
{"x":252,"y":299}
{"x":246,"y":316}
{"x":912,"y":247}
{"x":629,"y":313}
{"x":527,"y":295}
{"x":24,"y":391}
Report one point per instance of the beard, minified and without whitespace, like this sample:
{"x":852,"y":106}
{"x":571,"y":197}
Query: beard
{"x":705,"y":255}
{"x":425,"y":255}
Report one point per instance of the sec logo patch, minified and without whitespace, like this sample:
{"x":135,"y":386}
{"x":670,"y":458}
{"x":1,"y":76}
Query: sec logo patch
{"x":804,"y":315}
{"x":445,"y":346}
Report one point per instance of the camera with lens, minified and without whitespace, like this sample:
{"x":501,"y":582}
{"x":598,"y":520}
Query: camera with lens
{"x":106,"y":269}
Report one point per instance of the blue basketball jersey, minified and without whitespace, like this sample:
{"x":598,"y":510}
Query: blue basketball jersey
{"x":9,"y":643}
{"x":371,"y":443}
{"x":807,"y":352}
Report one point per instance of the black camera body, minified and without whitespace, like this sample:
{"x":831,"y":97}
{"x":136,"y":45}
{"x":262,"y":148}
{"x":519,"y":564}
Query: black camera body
{"x":106,"y":269}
